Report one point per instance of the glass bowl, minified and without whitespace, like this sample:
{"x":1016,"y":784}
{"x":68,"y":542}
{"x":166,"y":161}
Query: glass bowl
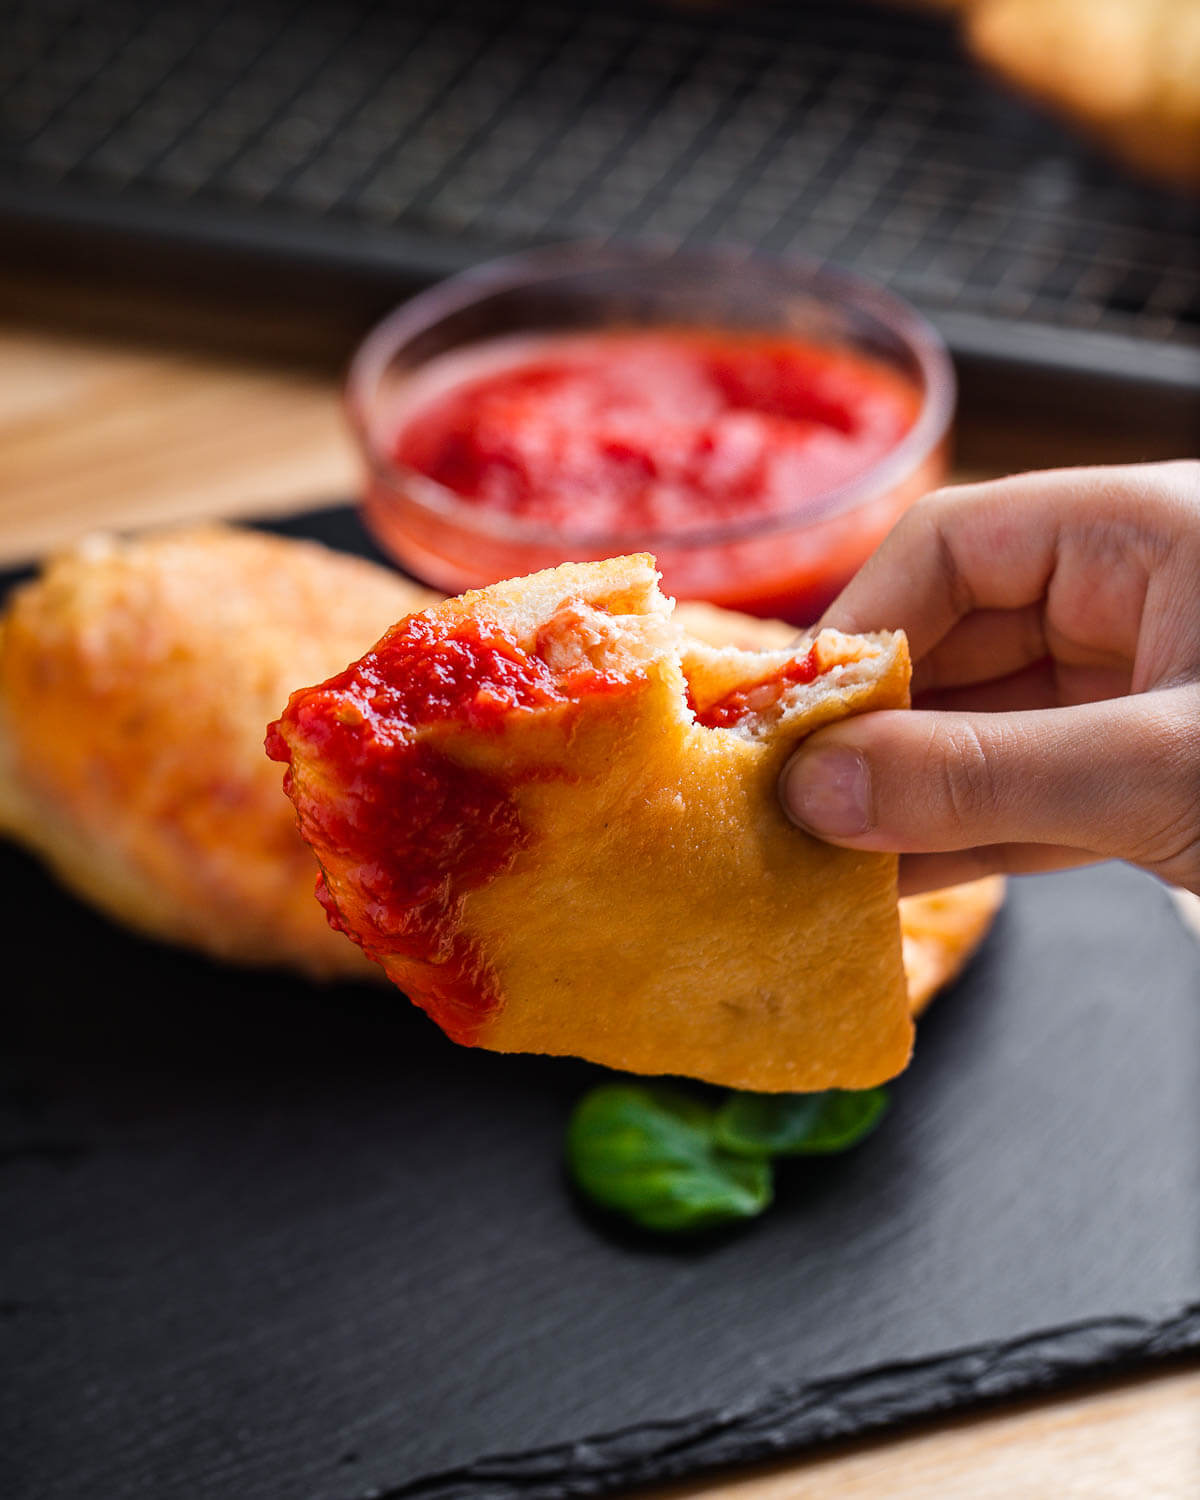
{"x":789,"y":563}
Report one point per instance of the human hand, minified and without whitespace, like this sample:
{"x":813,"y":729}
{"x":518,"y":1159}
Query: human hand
{"x":1054,"y":625}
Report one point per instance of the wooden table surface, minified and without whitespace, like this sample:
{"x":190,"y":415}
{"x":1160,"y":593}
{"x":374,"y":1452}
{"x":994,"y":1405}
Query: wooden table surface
{"x":122,"y":411}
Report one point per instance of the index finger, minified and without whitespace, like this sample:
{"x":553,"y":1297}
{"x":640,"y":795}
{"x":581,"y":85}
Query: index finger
{"x":971,"y":547}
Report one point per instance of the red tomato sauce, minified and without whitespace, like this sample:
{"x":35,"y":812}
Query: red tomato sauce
{"x":741,"y":702}
{"x":418,"y":829}
{"x":656,"y":431}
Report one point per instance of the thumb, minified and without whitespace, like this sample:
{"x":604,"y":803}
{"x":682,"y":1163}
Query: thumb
{"x":1119,"y":778}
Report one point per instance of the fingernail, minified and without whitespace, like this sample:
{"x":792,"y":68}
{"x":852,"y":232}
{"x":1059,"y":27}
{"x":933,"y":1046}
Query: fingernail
{"x":828,"y":792}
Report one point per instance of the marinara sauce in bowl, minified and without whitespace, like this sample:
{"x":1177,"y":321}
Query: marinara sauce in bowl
{"x":757,"y":425}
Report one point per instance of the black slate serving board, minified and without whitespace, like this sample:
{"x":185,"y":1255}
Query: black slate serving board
{"x":278,"y":1242}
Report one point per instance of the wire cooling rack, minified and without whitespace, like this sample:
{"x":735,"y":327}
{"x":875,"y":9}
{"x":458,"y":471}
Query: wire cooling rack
{"x":424,"y":134}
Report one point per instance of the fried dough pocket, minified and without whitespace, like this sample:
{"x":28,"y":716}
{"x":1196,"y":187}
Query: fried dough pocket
{"x":550,"y":815}
{"x":136,"y":678}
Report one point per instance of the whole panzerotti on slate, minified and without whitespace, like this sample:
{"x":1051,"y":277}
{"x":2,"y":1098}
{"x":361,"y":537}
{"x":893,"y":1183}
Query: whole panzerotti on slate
{"x":550,"y":816}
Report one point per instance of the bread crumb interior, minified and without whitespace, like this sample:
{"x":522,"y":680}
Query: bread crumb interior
{"x":582,"y":634}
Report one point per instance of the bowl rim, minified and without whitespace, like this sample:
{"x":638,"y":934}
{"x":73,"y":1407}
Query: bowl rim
{"x":554,"y":262}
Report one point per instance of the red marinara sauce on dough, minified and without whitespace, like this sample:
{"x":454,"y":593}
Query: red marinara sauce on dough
{"x":408,"y":829}
{"x":738,"y":704}
{"x":658,"y":434}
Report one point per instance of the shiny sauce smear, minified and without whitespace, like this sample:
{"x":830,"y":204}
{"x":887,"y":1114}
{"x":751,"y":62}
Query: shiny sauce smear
{"x":416,"y":828}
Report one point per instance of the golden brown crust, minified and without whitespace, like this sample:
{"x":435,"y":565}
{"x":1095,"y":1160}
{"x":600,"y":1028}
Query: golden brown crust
{"x":136,"y":680}
{"x":660,"y":914}
{"x":941,"y":929}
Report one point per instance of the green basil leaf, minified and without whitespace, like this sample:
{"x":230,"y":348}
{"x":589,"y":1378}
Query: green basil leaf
{"x":759,"y":1126}
{"x":649,"y":1154}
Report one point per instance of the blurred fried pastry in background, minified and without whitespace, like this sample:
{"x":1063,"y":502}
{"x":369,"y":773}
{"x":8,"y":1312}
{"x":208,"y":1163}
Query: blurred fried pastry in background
{"x":940,"y":931}
{"x":1126,"y":71}
{"x":136,"y":682}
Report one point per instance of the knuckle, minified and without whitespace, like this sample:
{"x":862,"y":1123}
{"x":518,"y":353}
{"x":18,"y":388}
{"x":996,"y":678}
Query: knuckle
{"x":1163,"y":495}
{"x":938,"y":500}
{"x":935,"y":518}
{"x":1175,"y":837}
{"x":929,"y":513}
{"x":969,"y":791}
{"x":1183,"y":477}
{"x":1172,"y":849}
{"x":1169,"y":840}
